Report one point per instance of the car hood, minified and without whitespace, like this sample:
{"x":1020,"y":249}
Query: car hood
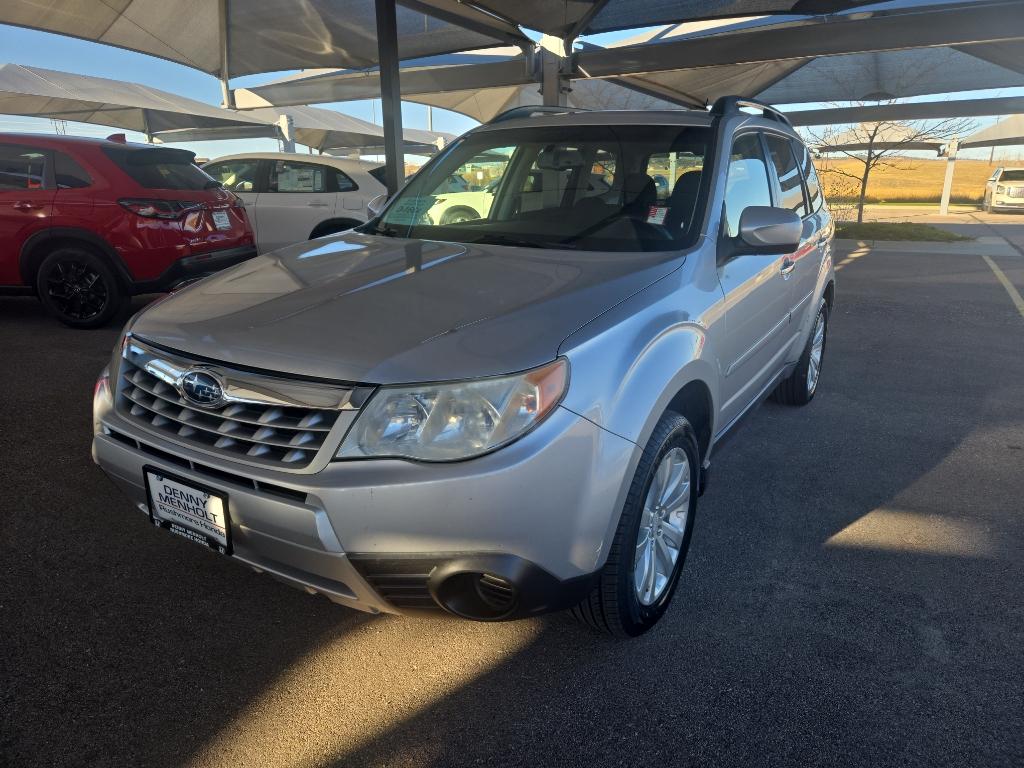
{"x":380,"y":310}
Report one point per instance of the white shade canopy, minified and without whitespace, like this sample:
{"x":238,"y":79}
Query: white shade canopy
{"x":1005,"y":133}
{"x":250,"y":36}
{"x":39,"y":92}
{"x":852,"y":57}
{"x":563,"y":18}
{"x":882,"y":136}
{"x":903,"y":49}
{"x":457,"y":82}
{"x":913,"y":110}
{"x":322,"y":129}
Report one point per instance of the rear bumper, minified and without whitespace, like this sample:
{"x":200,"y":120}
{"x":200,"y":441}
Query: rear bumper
{"x":195,"y":267}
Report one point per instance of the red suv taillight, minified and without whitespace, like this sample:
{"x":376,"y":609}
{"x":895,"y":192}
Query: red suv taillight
{"x":159,"y":209}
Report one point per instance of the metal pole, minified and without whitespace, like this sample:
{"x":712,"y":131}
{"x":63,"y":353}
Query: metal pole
{"x":225,"y":76}
{"x":286,"y":125}
{"x":554,"y":83}
{"x":390,"y":94}
{"x":947,"y":184}
{"x":430,"y":118}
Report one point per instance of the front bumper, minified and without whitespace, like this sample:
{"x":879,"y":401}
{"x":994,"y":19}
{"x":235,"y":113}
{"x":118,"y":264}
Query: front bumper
{"x":533,"y":520}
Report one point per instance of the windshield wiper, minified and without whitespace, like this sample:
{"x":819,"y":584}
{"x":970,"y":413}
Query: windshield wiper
{"x":514,"y":241}
{"x":383,"y":231}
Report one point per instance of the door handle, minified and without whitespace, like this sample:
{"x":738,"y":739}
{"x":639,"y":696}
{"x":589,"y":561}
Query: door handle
{"x":788,"y":265}
{"x":316,"y":204}
{"x":27,"y":205}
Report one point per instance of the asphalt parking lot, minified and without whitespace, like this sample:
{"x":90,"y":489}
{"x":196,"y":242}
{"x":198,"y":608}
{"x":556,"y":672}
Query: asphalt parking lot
{"x":852,"y":596}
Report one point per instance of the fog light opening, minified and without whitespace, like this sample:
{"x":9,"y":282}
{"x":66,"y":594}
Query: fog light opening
{"x":480,"y":596}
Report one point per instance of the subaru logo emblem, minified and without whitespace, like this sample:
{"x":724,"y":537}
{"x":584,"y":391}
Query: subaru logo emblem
{"x":202,"y":388}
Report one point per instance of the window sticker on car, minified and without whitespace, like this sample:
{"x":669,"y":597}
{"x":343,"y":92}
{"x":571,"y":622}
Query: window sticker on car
{"x":656,"y":214}
{"x":411,"y":210}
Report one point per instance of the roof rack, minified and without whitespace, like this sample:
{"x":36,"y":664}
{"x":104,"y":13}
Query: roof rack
{"x":528,"y":111}
{"x":728,"y":105}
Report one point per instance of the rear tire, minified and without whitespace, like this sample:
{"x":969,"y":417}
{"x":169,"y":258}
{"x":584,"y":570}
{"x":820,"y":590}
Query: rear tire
{"x":798,"y":388}
{"x":79,"y":288}
{"x":459,"y":215}
{"x":621,"y":604}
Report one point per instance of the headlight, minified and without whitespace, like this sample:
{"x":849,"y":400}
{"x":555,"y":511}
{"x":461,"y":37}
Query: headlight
{"x":448,"y":422}
{"x":102,"y":399}
{"x":1000,"y":189}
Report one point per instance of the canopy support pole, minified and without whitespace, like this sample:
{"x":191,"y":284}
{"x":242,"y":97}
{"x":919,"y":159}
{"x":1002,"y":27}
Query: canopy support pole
{"x":554,"y":77}
{"x":947,"y":184}
{"x":286,"y":126}
{"x":390,"y":94}
{"x":227,"y":95}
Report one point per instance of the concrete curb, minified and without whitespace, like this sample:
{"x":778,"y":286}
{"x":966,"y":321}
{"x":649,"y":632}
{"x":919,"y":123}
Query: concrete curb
{"x":990,"y":246}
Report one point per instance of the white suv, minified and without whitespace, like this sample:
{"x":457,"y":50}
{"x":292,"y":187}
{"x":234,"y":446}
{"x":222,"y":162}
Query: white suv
{"x":1004,"y":190}
{"x":291,"y":198}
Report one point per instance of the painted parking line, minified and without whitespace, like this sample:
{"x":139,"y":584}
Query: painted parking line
{"x":1015,"y":296}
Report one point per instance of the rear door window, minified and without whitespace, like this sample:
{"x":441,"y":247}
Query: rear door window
{"x":788,"y":173}
{"x":290,"y":176}
{"x":160,"y":168}
{"x":21,"y":168}
{"x":68,"y":173}
{"x":810,"y":176}
{"x":746,"y":184}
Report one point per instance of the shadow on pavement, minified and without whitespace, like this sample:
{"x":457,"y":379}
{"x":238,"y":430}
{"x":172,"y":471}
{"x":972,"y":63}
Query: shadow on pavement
{"x":802,"y":633}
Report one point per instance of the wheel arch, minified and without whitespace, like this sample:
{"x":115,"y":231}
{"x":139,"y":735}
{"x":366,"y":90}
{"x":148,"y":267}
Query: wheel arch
{"x":41,"y":244}
{"x":695,"y":403}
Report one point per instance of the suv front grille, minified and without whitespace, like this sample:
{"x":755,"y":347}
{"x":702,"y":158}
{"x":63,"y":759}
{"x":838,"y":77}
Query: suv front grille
{"x":265,"y":420}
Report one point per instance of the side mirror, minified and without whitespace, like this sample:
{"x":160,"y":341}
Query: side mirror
{"x":766,"y":229}
{"x":376,"y":205}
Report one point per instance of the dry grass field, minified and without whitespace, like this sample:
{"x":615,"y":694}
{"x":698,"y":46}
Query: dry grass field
{"x":906,"y":180}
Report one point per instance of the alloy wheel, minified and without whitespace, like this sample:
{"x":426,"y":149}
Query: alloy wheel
{"x":662,"y":527}
{"x":817,"y":349}
{"x":77,"y":290}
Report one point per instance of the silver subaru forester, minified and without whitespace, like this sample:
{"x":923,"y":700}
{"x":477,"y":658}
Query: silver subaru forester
{"x":508,"y":412}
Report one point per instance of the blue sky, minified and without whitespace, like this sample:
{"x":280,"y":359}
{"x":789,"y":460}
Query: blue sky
{"x":40,"y":49}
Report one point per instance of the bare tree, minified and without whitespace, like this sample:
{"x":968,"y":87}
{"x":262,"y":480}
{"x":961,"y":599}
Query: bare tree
{"x":874,"y":145}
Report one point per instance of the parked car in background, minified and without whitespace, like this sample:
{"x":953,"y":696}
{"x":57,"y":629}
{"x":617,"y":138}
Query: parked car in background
{"x":87,"y":223}
{"x":291,"y":198}
{"x":499,"y":417}
{"x":1004,"y":191}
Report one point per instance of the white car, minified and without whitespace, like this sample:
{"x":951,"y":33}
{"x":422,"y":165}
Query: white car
{"x":1004,"y":191}
{"x":292,"y":198}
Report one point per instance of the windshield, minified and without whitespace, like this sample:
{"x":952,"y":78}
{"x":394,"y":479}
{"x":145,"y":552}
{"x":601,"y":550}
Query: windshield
{"x":601,"y":188}
{"x":1016,"y":175}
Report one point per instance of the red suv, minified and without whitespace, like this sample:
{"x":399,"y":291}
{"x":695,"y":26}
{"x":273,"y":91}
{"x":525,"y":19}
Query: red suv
{"x":87,"y":223}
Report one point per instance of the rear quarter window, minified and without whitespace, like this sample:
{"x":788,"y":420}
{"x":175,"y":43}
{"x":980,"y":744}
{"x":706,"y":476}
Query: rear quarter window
{"x":68,"y":173}
{"x":160,"y":168}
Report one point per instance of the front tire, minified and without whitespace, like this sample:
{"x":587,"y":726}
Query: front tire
{"x":79,"y":288}
{"x":799,"y":387}
{"x":653,"y":536}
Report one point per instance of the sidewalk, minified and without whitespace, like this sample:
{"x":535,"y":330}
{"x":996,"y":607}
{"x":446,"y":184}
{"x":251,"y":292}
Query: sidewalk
{"x":984,"y":246}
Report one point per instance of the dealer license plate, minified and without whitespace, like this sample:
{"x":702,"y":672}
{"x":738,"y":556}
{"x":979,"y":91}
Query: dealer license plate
{"x":221,"y":220}
{"x":198,"y":514}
